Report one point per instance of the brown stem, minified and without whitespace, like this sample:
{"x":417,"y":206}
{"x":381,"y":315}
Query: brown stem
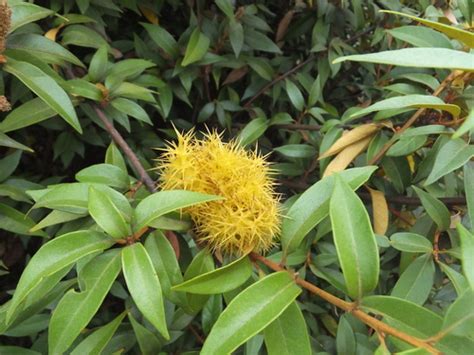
{"x":411,"y":120}
{"x":351,"y":307}
{"x":117,"y":137}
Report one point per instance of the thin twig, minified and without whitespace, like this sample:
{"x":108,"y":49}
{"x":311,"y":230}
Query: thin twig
{"x":117,"y":137}
{"x":350,"y":307}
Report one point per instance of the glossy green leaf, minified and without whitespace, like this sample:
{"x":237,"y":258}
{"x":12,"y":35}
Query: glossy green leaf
{"x":250,"y":312}
{"x":27,"y":114}
{"x":467,"y":253}
{"x":468,"y":125}
{"x":253,"y":131}
{"x":406,"y":146}
{"x":288,"y":334}
{"x":411,"y":101}
{"x":107,"y":174}
{"x":46,"y":88}
{"x":313,"y":206}
{"x":131,"y":109}
{"x":345,"y":338}
{"x":144,"y":286}
{"x":440,"y":58}
{"x":147,"y":341}
{"x":107,"y":215}
{"x":416,"y":281}
{"x":459,"y":318}
{"x":76,"y":309}
{"x":221,"y":280}
{"x":128,"y":68}
{"x":163,"y":202}
{"x":24,"y":13}
{"x":259,"y":41}
{"x":96,"y":342}
{"x":226,"y":6}
{"x":14,"y":221}
{"x":420,"y":36}
{"x":55,"y":255}
{"x":133,"y":91}
{"x":295,"y":95}
{"x":354,"y":240}
{"x":16,"y":350}
{"x":82,"y":36}
{"x":411,"y":242}
{"x":166,"y":265}
{"x":55,"y":217}
{"x":201,"y":264}
{"x":296,"y":151}
{"x":83,"y":88}
{"x":8,"y":164}
{"x":113,"y":156}
{"x":236,"y":36}
{"x":458,"y":280}
{"x":43,"y":48}
{"x":435,"y":208}
{"x":452,"y":156}
{"x":162,"y":38}
{"x":98,"y":65}
{"x":451,"y":31}
{"x":197,"y":47}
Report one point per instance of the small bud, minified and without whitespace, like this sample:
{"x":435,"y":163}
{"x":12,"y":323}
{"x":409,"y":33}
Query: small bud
{"x":4,"y":104}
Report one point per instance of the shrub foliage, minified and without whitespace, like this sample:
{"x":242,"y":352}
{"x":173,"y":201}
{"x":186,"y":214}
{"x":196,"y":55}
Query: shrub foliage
{"x":360,"y":112}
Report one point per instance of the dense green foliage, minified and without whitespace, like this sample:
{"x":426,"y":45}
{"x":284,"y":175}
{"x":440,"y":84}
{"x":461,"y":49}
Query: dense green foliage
{"x":365,"y":108}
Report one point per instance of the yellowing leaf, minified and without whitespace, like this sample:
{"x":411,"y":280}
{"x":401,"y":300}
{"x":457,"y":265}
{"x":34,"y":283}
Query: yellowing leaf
{"x":351,"y":137}
{"x":149,"y":14}
{"x":346,"y":156}
{"x":379,"y":211}
{"x":52,"y":33}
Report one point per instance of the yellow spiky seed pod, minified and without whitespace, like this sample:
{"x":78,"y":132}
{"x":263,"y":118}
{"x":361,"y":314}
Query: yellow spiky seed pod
{"x":248,"y":219}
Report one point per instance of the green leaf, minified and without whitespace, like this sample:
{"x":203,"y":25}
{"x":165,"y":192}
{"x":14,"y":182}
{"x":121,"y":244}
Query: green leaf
{"x":416,"y":281}
{"x":467,"y":125}
{"x":43,"y":48}
{"x":313,"y":206}
{"x":46,"y":88}
{"x":252,"y":131}
{"x":114,"y":157}
{"x":440,"y":58}
{"x":221,"y":280}
{"x":107,"y":174}
{"x":16,"y":350}
{"x":435,"y":208}
{"x":345,"y":338}
{"x":133,"y":91}
{"x":16,"y":222}
{"x":296,"y":150}
{"x":82,"y":36}
{"x":259,"y":41}
{"x":166,"y":265}
{"x":128,"y":68}
{"x":83,"y":88}
{"x":29,"y":113}
{"x":226,"y":7}
{"x":404,"y":315}
{"x":458,"y":280}
{"x":288,"y":334}
{"x":107,"y":215}
{"x":8,"y":164}
{"x":131,"y":109}
{"x":163,"y":202}
{"x":469,"y":191}
{"x":96,"y":342}
{"x":24,"y":13}
{"x":73,"y":197}
{"x":421,"y":36}
{"x":55,"y":217}
{"x":411,"y":242}
{"x":144,"y":286}
{"x":98,"y":65}
{"x":54,"y":256}
{"x":163,"y":39}
{"x":354,"y":240}
{"x":451,"y":31}
{"x":295,"y":95}
{"x":76,"y":309}
{"x":147,"y":340}
{"x":467,"y":253}
{"x":236,"y":36}
{"x":459,"y":318}
{"x":452,"y":156}
{"x":406,"y":146}
{"x":250,"y":312}
{"x":412,"y":101}
{"x":201,"y":264}
{"x":197,"y":46}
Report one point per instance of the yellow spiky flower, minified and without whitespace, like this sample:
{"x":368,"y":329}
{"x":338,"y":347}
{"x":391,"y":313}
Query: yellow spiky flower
{"x":248,"y":219}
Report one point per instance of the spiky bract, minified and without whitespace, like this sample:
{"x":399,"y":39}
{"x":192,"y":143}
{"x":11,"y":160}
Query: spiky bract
{"x":248,"y":219}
